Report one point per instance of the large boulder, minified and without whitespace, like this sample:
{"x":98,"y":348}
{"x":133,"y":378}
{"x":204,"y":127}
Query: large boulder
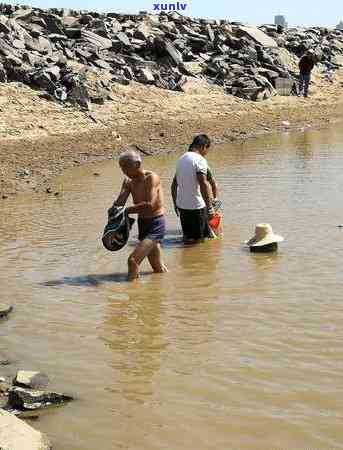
{"x":18,"y":435}
{"x":257,"y":35}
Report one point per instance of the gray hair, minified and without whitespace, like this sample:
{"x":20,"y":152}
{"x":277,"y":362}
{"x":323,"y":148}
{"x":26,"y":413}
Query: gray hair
{"x":130,"y":157}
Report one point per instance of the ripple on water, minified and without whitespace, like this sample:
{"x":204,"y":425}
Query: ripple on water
{"x":231,"y":349}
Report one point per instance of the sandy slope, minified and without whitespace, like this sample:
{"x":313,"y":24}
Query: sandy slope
{"x":38,"y":139}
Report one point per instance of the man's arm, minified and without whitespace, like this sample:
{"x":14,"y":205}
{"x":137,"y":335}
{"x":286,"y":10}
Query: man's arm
{"x":149,"y":206}
{"x":124,"y":194}
{"x":205,"y":192}
{"x":213,"y":183}
{"x":174,"y":194}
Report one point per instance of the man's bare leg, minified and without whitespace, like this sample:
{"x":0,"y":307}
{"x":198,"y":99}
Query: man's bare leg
{"x":142,"y":250}
{"x":155,"y":259}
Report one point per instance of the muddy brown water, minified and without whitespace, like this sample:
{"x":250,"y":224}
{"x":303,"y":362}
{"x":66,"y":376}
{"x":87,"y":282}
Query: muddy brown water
{"x":229,"y":350}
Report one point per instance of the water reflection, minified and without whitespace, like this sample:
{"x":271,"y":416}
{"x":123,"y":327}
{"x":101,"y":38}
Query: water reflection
{"x":133,"y":331}
{"x":227,"y":337}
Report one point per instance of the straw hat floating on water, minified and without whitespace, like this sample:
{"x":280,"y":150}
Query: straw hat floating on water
{"x":264,"y":239}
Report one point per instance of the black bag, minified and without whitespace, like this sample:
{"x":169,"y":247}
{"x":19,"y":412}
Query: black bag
{"x":117,"y":231}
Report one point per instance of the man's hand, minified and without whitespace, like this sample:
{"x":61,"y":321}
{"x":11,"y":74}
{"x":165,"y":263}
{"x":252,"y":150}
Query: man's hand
{"x":176,"y":209}
{"x":211,"y":213}
{"x":206,"y":193}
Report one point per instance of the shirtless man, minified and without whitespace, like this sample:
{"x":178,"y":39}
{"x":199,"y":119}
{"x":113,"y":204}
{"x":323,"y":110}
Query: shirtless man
{"x":146,"y":190}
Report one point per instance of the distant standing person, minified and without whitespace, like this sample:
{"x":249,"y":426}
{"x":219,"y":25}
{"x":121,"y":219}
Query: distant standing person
{"x":191,"y":191}
{"x":146,"y":190}
{"x":306,"y":64}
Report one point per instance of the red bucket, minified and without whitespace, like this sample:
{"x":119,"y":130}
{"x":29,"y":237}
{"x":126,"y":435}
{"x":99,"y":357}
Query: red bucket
{"x":215,"y":222}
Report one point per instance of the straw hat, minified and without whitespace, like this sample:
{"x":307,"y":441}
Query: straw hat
{"x":263,"y":236}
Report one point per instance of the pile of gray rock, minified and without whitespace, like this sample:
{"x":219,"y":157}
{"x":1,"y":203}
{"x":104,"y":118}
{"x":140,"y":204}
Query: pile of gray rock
{"x":76,"y":56}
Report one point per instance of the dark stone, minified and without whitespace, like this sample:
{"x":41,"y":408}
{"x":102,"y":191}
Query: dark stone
{"x":4,"y":28}
{"x":43,"y":80}
{"x":5,"y":362}
{"x":12,"y":61}
{"x":53,"y":23}
{"x":85,"y":19}
{"x":3,"y":74}
{"x":25,"y":399}
{"x":73,"y":33}
{"x":19,"y":73}
{"x":99,"y":100}
{"x":128,"y":72}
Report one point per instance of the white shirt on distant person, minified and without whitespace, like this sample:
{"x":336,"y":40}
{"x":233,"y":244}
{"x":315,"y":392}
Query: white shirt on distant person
{"x":188,"y":188}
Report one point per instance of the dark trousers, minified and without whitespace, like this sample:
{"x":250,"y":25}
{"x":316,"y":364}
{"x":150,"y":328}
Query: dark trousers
{"x":194,"y":223}
{"x":304,"y":82}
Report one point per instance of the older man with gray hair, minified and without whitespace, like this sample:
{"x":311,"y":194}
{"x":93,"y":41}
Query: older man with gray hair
{"x":146,"y":190}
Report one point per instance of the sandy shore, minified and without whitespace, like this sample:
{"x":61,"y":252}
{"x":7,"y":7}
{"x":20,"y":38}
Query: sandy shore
{"x":39,"y":139}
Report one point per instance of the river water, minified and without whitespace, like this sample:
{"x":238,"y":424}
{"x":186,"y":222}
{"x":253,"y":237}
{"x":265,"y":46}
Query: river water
{"x":230,"y":350}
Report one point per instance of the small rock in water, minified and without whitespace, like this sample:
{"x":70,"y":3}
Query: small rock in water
{"x":285,"y":123}
{"x":96,"y":174}
{"x":30,"y":379}
{"x":48,"y":190}
{"x":339,"y":226}
{"x":56,"y":194}
{"x":4,"y":197}
{"x":5,"y":310}
{"x":26,"y":399}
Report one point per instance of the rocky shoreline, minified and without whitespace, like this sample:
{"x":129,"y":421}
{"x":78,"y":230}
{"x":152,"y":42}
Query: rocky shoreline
{"x":77,"y":56}
{"x":22,"y":397}
{"x":80,"y":86}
